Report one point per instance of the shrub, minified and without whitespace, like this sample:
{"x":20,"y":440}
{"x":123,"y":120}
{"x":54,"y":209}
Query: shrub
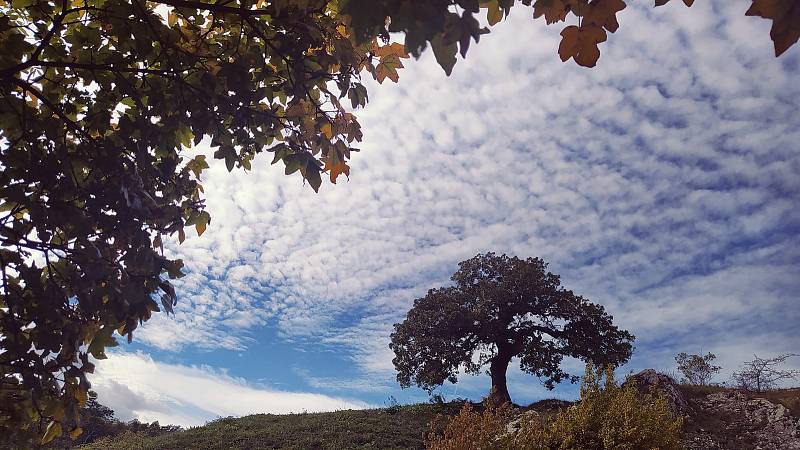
{"x":697,"y":369}
{"x":607,"y":417}
{"x":471,"y":430}
{"x":763,"y":374}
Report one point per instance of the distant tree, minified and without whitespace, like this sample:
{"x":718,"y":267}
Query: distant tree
{"x":762,"y":374}
{"x":499,"y":308}
{"x":697,"y":369}
{"x":98,"y":99}
{"x":98,"y":421}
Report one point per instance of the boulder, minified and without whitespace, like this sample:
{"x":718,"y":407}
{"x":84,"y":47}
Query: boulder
{"x":649,"y":381}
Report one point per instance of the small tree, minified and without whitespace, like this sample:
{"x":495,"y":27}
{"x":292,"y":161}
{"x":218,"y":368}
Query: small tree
{"x":501,"y":307}
{"x":762,"y":374}
{"x":697,"y":369}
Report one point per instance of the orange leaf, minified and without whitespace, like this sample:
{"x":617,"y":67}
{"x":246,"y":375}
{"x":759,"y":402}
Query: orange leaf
{"x":394,"y":48}
{"x":387,"y":67}
{"x":553,"y":10}
{"x":337,"y":167}
{"x":603,"y":13}
{"x":785,"y":16}
{"x":581,"y":44}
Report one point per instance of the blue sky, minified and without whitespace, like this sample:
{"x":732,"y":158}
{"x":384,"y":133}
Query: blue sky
{"x":662,"y":184}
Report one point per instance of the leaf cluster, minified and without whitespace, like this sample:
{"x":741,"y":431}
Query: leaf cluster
{"x":99,"y":101}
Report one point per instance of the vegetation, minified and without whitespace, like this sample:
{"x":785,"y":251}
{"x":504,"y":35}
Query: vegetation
{"x":98,"y":100}
{"x":98,"y":422}
{"x":397,"y":428}
{"x":762,"y":374}
{"x":606,"y":417}
{"x":697,"y":369}
{"x":501,"y":307}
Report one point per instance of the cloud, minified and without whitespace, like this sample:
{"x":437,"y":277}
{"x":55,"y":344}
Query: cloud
{"x":136,"y":386}
{"x":662,"y":184}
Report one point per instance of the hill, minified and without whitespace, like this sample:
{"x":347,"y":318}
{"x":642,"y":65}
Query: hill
{"x":393,"y":428}
{"x":715,"y":418}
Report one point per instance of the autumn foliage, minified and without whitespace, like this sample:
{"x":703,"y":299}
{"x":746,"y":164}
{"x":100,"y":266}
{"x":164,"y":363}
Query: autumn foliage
{"x":607,"y":416}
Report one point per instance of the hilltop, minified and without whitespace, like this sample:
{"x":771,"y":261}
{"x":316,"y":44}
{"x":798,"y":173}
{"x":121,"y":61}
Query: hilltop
{"x":392,"y":428}
{"x":716,"y":418}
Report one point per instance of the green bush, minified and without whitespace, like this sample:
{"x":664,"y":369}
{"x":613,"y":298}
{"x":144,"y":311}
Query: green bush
{"x":608,"y":416}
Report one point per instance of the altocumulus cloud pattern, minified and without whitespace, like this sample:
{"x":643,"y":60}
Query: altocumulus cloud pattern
{"x":662,"y":184}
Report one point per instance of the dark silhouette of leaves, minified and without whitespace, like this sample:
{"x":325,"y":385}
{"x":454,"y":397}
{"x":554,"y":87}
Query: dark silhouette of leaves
{"x":498,"y":308}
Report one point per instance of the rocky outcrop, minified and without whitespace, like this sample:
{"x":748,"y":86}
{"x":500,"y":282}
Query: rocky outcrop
{"x":649,"y":381}
{"x":727,"y":420}
{"x":733,"y":420}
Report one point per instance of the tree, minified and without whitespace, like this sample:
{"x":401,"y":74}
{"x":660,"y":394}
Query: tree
{"x":697,"y":369}
{"x":762,"y":374}
{"x":498,"y":308}
{"x":100,"y":98}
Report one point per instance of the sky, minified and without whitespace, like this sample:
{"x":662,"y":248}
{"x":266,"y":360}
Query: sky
{"x":662,"y":184}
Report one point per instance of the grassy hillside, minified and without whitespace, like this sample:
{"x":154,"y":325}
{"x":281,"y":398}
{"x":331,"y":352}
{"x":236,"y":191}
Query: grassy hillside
{"x":395,"y":428}
{"x":400,"y":427}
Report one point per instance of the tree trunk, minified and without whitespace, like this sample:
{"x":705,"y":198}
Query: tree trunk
{"x":497,"y":370}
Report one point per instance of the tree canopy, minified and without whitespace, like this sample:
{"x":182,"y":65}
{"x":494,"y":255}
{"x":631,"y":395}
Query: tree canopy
{"x":100,"y":98}
{"x":498,"y":308}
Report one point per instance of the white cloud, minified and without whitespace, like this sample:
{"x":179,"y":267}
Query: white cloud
{"x":662,"y":183}
{"x":136,"y":386}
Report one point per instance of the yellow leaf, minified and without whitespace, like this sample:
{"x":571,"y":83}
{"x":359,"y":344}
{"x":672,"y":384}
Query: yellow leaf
{"x":494,"y":14}
{"x":52,"y":432}
{"x":327,"y":130}
{"x":76,"y":432}
{"x":201,"y":228}
{"x":81,"y":396}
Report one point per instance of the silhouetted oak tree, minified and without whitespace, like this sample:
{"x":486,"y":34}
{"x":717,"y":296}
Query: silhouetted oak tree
{"x":499,"y":308}
{"x":99,"y":97}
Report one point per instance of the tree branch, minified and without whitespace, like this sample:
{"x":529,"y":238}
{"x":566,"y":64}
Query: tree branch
{"x":214,"y":7}
{"x":25,"y":86}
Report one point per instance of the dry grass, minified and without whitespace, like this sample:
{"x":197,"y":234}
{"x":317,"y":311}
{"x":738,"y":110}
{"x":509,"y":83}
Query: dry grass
{"x":789,"y":398}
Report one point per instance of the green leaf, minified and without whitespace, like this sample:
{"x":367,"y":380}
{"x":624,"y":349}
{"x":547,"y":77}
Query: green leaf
{"x":185,"y":136}
{"x":312,"y":174}
{"x":102,"y":340}
{"x":445,"y":53}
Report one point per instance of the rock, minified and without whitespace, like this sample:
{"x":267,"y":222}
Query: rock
{"x":738,"y":421}
{"x":514,"y":426}
{"x":649,"y":381}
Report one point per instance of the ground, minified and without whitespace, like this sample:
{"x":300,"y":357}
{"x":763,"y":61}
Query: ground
{"x":718,"y":418}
